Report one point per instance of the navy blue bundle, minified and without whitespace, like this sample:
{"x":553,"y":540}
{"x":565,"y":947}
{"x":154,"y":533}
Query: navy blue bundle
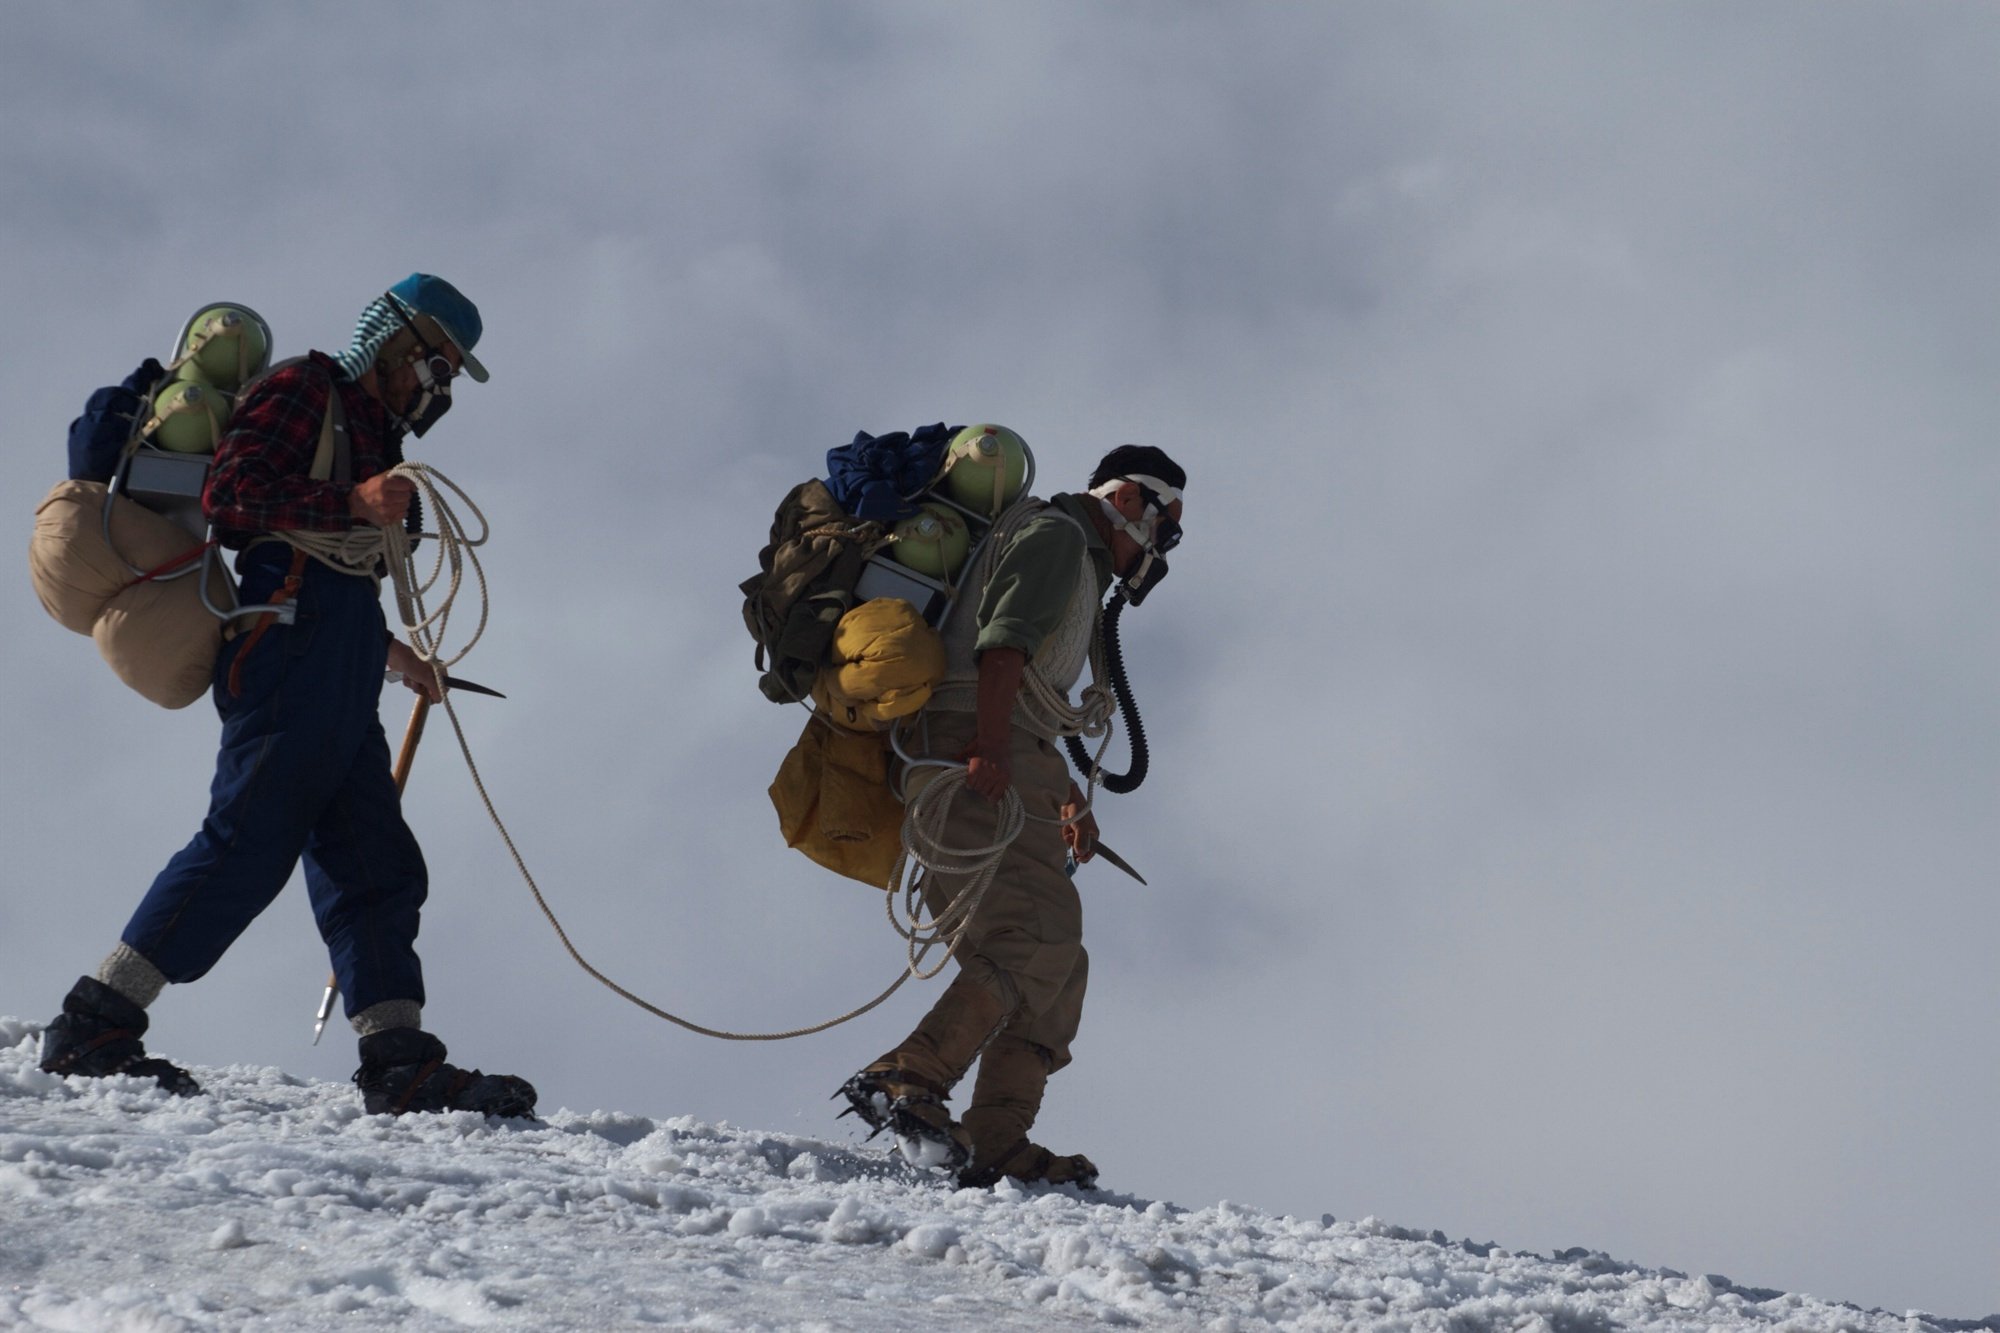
{"x":876,"y":476}
{"x":98,"y":436}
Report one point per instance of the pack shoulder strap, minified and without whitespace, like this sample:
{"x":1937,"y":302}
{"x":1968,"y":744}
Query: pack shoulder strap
{"x":334,"y":459}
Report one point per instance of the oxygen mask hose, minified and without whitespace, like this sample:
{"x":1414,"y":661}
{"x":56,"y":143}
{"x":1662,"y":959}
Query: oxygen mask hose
{"x":1114,"y":669}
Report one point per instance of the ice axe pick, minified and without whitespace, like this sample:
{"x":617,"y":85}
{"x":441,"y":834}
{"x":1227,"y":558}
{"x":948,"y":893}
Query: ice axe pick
{"x":1111,"y":856}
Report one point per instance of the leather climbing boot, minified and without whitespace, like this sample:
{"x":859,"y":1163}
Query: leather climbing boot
{"x":403,"y":1070}
{"x":1006,"y":1097}
{"x":906,"y":1090}
{"x":1031,"y":1163}
{"x":97,"y":1035}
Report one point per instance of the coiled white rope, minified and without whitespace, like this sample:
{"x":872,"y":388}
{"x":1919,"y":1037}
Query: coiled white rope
{"x":457,"y":550}
{"x":924,"y":818}
{"x":364,"y":549}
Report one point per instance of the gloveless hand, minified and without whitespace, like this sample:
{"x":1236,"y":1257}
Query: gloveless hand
{"x":417,"y":673}
{"x":1079,"y":836}
{"x":989,"y":769}
{"x":383,"y":499}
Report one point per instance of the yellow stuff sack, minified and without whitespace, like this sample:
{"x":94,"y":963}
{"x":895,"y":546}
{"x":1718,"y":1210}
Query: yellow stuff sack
{"x":155,"y":633}
{"x":835,"y":804}
{"x":883,"y":664}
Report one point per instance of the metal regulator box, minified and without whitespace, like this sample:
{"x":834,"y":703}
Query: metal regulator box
{"x":167,"y":483}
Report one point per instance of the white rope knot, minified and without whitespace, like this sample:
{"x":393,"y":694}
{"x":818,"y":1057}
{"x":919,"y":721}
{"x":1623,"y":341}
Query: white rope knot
{"x":357,"y":552}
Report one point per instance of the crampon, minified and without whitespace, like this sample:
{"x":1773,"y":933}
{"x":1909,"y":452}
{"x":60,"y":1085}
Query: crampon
{"x":911,"y":1108}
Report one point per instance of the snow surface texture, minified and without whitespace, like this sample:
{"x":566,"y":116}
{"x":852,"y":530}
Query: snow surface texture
{"x":268,"y":1203}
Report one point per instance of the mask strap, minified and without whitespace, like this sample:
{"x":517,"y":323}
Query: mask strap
{"x":1131,"y":527}
{"x":1137,"y":578}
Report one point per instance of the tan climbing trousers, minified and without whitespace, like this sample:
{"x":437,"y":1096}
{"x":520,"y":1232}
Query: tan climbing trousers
{"x":1025,"y":943}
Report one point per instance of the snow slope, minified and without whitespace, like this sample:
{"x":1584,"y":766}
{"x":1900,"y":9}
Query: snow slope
{"x":269,"y":1203}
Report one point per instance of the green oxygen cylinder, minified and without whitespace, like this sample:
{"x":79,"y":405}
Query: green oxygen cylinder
{"x":227,"y":345}
{"x":188,"y":415}
{"x":933,"y":541}
{"x":985,"y":468}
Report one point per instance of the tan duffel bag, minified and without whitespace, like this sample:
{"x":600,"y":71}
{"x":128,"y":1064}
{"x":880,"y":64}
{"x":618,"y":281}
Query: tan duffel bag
{"x":154,"y":631}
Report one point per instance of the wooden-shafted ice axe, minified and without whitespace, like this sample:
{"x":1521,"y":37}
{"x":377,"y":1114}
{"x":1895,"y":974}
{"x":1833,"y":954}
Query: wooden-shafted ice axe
{"x":400,"y":774}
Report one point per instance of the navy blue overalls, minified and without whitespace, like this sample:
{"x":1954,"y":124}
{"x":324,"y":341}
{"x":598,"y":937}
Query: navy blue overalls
{"x":303,"y":772}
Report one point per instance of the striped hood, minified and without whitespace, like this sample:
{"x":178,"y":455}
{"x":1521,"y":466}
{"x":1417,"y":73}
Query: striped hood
{"x":377,"y":324}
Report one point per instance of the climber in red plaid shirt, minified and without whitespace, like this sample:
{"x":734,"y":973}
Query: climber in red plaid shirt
{"x":303,"y":772}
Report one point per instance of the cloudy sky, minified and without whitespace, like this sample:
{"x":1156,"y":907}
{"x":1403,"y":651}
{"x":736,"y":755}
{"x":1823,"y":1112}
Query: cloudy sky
{"x":1576,"y":748}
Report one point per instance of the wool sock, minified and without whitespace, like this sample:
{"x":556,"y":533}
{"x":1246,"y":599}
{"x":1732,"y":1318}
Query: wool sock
{"x":126,"y":971}
{"x":388,"y":1014}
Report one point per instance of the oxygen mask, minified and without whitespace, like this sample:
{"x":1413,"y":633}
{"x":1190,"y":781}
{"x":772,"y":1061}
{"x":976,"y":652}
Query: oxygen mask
{"x":1156,"y":531}
{"x":433,"y":397}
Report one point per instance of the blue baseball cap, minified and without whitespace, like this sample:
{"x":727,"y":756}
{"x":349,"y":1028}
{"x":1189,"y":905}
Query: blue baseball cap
{"x":423,"y":294}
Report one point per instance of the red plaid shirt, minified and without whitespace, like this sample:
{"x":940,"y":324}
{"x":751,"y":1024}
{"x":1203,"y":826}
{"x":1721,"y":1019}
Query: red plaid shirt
{"x":260,"y":480}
